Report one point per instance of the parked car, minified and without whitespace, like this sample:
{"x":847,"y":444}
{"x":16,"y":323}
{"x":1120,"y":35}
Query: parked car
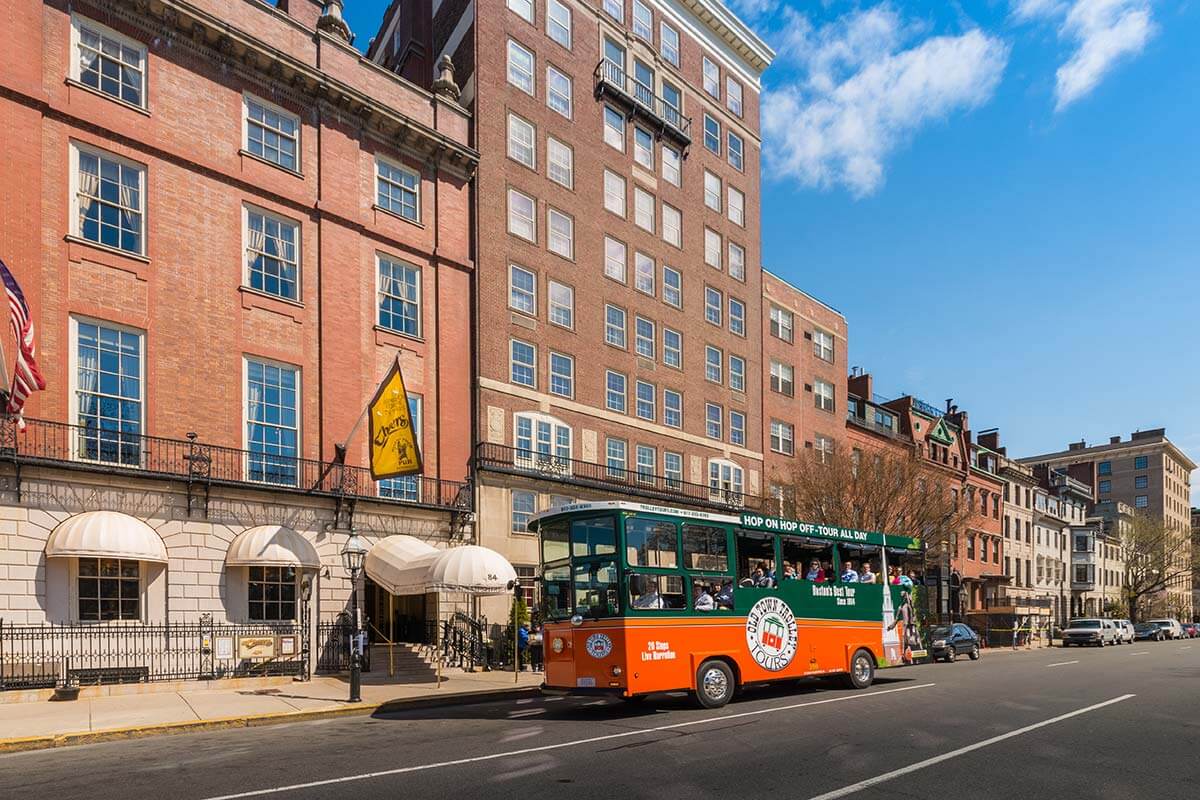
{"x":948,"y":642}
{"x":1098,"y":632}
{"x":1191,"y":629}
{"x":1125,"y":629}
{"x":1149,"y":632}
{"x":1170,"y":627}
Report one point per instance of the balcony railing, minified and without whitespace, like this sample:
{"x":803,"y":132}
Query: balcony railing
{"x":515,"y":461}
{"x":1009,"y":601}
{"x":640,"y":99}
{"x":86,"y":447}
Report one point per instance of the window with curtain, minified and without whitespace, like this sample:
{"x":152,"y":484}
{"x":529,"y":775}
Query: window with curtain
{"x":272,"y":422}
{"x":110,"y":199}
{"x":272,"y":254}
{"x":108,"y":392}
{"x":399,"y":296}
{"x":408,"y":488}
{"x":110,"y":63}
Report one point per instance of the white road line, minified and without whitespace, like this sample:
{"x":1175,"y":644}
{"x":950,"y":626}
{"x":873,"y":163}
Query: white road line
{"x":1186,"y":647}
{"x":929,"y":762}
{"x":1062,"y":663}
{"x":707,"y":720}
{"x":1140,"y":653}
{"x":527,"y":713}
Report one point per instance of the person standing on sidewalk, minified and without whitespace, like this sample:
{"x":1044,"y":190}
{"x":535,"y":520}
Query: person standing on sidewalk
{"x":522,"y":645}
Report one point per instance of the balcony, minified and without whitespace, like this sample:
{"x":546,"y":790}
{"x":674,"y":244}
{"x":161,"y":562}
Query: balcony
{"x":1012,"y":601}
{"x":640,"y":101}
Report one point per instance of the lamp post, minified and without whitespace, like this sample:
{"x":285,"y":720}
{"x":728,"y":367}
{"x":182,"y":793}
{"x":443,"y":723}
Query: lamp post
{"x":354,"y":553}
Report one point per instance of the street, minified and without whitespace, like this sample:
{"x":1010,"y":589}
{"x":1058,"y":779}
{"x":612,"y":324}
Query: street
{"x":1120,"y":722}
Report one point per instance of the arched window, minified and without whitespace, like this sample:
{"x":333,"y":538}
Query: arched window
{"x":542,"y":443}
{"x":725,"y":481}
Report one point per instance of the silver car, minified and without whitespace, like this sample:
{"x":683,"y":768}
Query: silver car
{"x":1092,"y":631}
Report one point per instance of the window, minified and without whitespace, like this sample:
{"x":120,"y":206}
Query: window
{"x":615,"y":9}
{"x":562,"y":375}
{"x":399,"y":296}
{"x":614,"y":128}
{"x":737,"y":428}
{"x":109,"y":391}
{"x":643,"y":21}
{"x":643,"y":209}
{"x":781,"y":378}
{"x":643,"y":273}
{"x":822,"y":344}
{"x":558,"y":91}
{"x":737,"y":373}
{"x":560,"y":162}
{"x":672,"y":348}
{"x":673,"y":468}
{"x":672,"y":104}
{"x":109,"y":589}
{"x":614,"y":391}
{"x":712,"y":305}
{"x":672,"y":163}
{"x":615,"y":458}
{"x":408,"y":487}
{"x":712,"y":134}
{"x":272,"y":422}
{"x":737,"y":262}
{"x":672,"y":287}
{"x":614,"y":326}
{"x":672,"y":225}
{"x":824,"y":447}
{"x":647,"y":459}
{"x":885,"y":420}
{"x":712,"y":77}
{"x":737,"y":317}
{"x":714,"y":417}
{"x":272,"y":134}
{"x":522,"y":290}
{"x":614,"y":258}
{"x":560,"y":238}
{"x":643,"y":83}
{"x":108,"y":62}
{"x":823,"y":396}
{"x":272,"y":593}
{"x":1141,"y":462}
{"x":524,"y":504}
{"x":1141,"y":482}
{"x":643,"y":147}
{"x":397,"y":190}
{"x":110,"y":200}
{"x":783,"y":437}
{"x":712,"y":248}
{"x":781,"y":323}
{"x":521,"y":221}
{"x":1141,"y":501}
{"x":561,"y":301}
{"x":646,"y":399}
{"x":713,"y":361}
{"x":644,"y":337}
{"x":736,"y":202}
{"x":672,"y":408}
{"x":272,"y":254}
{"x":522,"y":141}
{"x":725,"y":479}
{"x":1105,"y":487}
{"x":520,"y":67}
{"x":734,"y":150}
{"x":733,"y":95}
{"x":524,"y":8}
{"x":523,"y":363}
{"x":712,"y":191}
{"x":558,"y":22}
{"x":1105,"y":468}
{"x":614,"y":193}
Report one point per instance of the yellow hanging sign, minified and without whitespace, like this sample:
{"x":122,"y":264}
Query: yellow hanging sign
{"x":394,"y":448}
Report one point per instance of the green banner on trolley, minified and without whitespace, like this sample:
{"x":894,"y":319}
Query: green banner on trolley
{"x":795,"y":527}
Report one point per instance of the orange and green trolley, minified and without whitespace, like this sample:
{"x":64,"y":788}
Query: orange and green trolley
{"x":640,"y":598}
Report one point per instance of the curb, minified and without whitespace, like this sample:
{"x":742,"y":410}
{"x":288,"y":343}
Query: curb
{"x":27,"y":743}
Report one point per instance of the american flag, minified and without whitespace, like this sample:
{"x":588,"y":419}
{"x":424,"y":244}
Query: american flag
{"x":27,"y":378}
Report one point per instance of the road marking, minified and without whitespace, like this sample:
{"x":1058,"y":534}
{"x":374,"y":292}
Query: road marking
{"x":1062,"y":663}
{"x":929,"y":762}
{"x":1186,"y":647}
{"x":1140,"y":653}
{"x":527,"y":713}
{"x":707,"y":720}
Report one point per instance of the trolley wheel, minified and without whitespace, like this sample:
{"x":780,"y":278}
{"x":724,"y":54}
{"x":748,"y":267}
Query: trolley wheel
{"x":715,"y":684}
{"x":862,"y":670}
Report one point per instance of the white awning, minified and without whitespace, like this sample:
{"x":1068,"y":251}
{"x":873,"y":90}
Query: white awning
{"x":105,"y":534}
{"x":272,"y":546}
{"x":399,"y":564}
{"x":404,"y":565}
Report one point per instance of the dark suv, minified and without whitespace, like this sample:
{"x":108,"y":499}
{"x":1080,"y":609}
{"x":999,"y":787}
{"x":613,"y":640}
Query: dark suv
{"x":951,"y":641}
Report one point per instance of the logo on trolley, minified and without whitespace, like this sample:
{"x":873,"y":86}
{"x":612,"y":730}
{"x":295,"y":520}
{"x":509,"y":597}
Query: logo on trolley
{"x":598,"y":645}
{"x":771,"y":633}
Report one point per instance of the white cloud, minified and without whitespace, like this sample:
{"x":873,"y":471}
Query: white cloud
{"x":867,"y":82}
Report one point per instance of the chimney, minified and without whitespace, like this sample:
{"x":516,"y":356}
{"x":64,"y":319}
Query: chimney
{"x":860,"y":385}
{"x":1077,"y":445}
{"x":1114,"y":440}
{"x":990,"y":439}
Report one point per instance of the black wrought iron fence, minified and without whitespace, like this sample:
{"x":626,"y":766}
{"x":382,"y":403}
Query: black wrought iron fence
{"x":334,"y":642}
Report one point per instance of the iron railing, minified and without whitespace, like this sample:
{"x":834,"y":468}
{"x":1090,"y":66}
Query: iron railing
{"x":1006,"y":601}
{"x":639,"y":98}
{"x":512,"y":460}
{"x":334,"y":642}
{"x":43,"y":442}
{"x":927,"y":409}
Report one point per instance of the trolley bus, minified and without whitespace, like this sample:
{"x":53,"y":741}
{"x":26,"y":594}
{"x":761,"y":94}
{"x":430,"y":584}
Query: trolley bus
{"x":643,"y":598}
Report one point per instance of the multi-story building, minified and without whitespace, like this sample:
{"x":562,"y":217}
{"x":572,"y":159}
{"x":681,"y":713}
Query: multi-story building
{"x":804,"y":367}
{"x":1114,"y":519}
{"x":1151,"y":474}
{"x":228,"y":225}
{"x":1195,"y":564}
{"x":619,"y":290}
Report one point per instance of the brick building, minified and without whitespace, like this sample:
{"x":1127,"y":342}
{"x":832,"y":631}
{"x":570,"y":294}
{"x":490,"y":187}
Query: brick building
{"x":228,"y":224}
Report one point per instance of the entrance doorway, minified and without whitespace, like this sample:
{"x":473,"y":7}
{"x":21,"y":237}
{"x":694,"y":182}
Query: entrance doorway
{"x":398,"y":618}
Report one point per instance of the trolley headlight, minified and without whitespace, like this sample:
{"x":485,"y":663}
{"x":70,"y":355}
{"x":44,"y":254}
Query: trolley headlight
{"x":616,"y":671}
{"x":557,"y":644}
{"x":576,"y":620}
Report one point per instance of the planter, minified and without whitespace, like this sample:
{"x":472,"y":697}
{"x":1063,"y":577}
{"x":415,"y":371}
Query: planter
{"x":62,"y":693}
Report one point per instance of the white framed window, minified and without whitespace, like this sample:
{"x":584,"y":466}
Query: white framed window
{"x":614,"y":128}
{"x":522,"y":359}
{"x":712,"y":248}
{"x":524,"y":506}
{"x":272,"y":417}
{"x":108,"y":61}
{"x":644,"y":337}
{"x":643,"y":273}
{"x":822,"y":344}
{"x":823,"y":395}
{"x":646,"y":401}
{"x":672,"y":287}
{"x":397,"y":189}
{"x":522,"y":220}
{"x":615,"y":392}
{"x":559,"y":92}
{"x":560,"y":236}
{"x":615,"y":458}
{"x":782,"y":378}
{"x":782,"y":324}
{"x":712,"y":77}
{"x":737,"y":373}
{"x":643,"y":147}
{"x":271,"y":133}
{"x":560,"y":162}
{"x":672,"y":225}
{"x":614,"y":193}
{"x":523,"y":9}
{"x":542,"y":442}
{"x":558,"y":22}
{"x":272,"y":254}
{"x":714,"y":421}
{"x":647,"y":459}
{"x":615,"y":9}
{"x":562,"y":374}
{"x":672,"y":103}
{"x":407,"y":487}
{"x":783,"y":437}
{"x":737,"y":317}
{"x":735,"y":151}
{"x":520,"y":67}
{"x":737,"y":427}
{"x":725,"y":480}
{"x":522,"y":290}
{"x":824,"y":447}
{"x":109,"y":199}
{"x":522,"y":141}
{"x":615,"y":258}
{"x":643,"y":21}
{"x":668,"y":43}
{"x":560,"y":300}
{"x":712,"y":191}
{"x":643,"y":209}
{"x":108,"y":384}
{"x":672,"y":408}
{"x":672,"y":165}
{"x":733,"y":95}
{"x":737,"y":262}
{"x":713,"y":364}
{"x":399,"y":296}
{"x":736,"y":202}
{"x":672,"y":348}
{"x":713,"y":301}
{"x":712,"y":134}
{"x":614,"y":326}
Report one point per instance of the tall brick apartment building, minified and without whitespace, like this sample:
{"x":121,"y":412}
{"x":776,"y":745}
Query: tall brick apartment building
{"x":619,"y":291}
{"x":228,"y":225}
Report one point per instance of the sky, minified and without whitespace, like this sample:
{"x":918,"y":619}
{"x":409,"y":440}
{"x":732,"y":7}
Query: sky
{"x":1001,"y":196}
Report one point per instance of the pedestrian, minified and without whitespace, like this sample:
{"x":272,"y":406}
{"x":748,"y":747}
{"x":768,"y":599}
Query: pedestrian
{"x":522,"y":645}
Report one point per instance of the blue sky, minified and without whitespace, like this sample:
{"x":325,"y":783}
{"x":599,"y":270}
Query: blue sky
{"x":1001,"y":196}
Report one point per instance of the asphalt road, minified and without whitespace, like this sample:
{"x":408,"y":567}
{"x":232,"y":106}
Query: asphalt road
{"x":1122,"y":722}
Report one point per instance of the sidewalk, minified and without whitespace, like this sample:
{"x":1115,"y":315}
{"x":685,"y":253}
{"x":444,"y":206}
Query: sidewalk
{"x":43,"y":724}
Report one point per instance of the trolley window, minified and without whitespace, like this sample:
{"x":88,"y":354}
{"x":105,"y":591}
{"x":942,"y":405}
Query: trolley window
{"x":651,"y":543}
{"x":808,"y":559}
{"x":593,"y":537}
{"x":705,"y":547}
{"x":755,"y":559}
{"x":596,"y":589}
{"x":556,"y":591}
{"x":652,"y":592}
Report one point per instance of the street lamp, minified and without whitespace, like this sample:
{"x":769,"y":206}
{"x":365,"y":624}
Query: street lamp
{"x":354,"y":553}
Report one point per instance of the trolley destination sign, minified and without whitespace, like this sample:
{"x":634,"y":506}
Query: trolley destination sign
{"x":795,"y":527}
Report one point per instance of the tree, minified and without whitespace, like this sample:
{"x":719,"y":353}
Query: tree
{"x":1155,"y":557}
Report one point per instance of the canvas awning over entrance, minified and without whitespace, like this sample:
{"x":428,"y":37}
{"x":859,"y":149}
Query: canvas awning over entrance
{"x":106,"y":534}
{"x":404,"y":565}
{"x":272,"y":546}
